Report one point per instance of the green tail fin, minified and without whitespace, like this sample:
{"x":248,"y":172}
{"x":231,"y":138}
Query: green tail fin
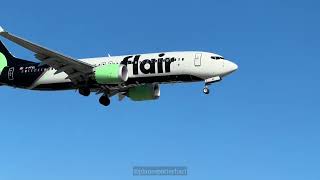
{"x":4,"y":57}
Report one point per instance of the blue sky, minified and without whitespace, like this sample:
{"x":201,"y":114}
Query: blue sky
{"x":262,"y":122}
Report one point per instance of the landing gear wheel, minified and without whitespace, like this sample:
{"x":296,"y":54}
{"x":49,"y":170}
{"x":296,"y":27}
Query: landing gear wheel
{"x":84,"y":91}
{"x":104,"y":100}
{"x":206,"y":90}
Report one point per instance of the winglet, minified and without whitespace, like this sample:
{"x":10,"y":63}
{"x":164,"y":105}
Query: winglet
{"x":2,"y":30}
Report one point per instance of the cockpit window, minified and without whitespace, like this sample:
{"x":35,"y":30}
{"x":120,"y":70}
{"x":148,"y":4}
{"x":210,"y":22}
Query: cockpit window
{"x":216,"y":57}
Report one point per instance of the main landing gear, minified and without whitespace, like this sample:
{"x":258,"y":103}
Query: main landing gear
{"x":84,"y":91}
{"x":104,"y":100}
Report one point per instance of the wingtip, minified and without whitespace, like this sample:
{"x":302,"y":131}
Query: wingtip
{"x":1,"y":29}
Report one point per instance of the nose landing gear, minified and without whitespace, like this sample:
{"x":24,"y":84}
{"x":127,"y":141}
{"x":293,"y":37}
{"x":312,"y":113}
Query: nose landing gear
{"x":208,"y":82}
{"x":206,"y":89}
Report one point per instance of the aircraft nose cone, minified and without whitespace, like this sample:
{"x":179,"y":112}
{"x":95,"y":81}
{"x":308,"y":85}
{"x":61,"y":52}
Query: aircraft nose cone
{"x":230,"y":67}
{"x":233,"y":66}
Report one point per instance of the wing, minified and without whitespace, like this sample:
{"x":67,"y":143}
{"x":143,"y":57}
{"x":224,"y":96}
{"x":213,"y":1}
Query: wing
{"x":77,"y":71}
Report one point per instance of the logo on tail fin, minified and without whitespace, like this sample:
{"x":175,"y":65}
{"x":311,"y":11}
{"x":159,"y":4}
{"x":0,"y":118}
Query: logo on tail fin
{"x":3,"y":62}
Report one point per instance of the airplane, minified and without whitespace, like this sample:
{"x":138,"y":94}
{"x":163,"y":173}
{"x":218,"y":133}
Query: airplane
{"x":135,"y":76}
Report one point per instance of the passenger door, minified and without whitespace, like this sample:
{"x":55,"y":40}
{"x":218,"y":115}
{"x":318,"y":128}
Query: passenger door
{"x":197,"y":59}
{"x":10,"y":74}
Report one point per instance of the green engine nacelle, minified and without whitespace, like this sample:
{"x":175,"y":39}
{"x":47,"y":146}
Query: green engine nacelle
{"x":111,"y":74}
{"x":144,"y":92}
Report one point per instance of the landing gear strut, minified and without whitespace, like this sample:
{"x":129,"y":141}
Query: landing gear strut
{"x":104,"y":100}
{"x":84,"y":91}
{"x":208,"y":82}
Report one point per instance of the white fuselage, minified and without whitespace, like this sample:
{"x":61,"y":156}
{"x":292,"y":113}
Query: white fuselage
{"x":202,"y":65}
